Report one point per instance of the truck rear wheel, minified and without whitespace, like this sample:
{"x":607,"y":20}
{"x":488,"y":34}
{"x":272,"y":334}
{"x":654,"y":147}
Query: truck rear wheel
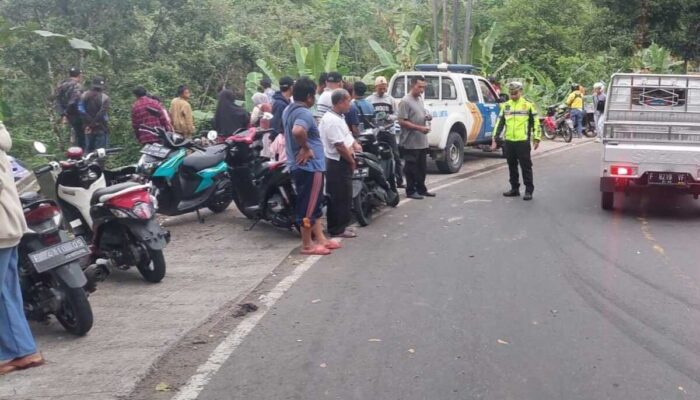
{"x":453,"y":154}
{"x":607,"y":200}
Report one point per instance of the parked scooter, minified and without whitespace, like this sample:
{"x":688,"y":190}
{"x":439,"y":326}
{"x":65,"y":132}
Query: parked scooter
{"x":373,"y":180}
{"x":118,"y":221}
{"x":182,"y":182}
{"x":262,"y":189}
{"x":51,"y":279}
{"x":558,"y":122}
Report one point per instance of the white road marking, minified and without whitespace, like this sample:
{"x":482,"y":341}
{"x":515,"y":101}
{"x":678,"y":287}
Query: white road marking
{"x":206,"y":371}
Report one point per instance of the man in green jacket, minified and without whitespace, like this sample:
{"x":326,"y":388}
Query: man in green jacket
{"x":519,"y":120}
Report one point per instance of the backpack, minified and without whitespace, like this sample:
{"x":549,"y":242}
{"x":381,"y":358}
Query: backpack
{"x":68,"y":96}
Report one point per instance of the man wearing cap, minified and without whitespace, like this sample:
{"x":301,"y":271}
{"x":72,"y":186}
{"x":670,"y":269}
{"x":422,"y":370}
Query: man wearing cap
{"x":94,"y":108}
{"x":333,"y":81}
{"x":519,"y":120}
{"x":384,"y":104}
{"x":66,"y":102}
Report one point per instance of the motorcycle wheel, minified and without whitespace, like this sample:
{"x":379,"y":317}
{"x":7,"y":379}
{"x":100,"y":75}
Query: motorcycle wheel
{"x":396,"y":200}
{"x":547,"y":133}
{"x":589,"y":130}
{"x":153,"y":267}
{"x":220,"y":205}
{"x":362,"y":208}
{"x":568,"y":134}
{"x":239,"y":205}
{"x":75,"y":314}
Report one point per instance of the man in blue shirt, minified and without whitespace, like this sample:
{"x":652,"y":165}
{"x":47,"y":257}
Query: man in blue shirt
{"x":306,"y":162}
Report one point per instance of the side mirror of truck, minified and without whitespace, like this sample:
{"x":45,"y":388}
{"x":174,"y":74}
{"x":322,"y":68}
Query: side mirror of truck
{"x":502,"y":98}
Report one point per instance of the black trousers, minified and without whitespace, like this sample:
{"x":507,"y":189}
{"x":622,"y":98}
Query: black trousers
{"x":519,"y":153}
{"x":339,"y":191}
{"x":415,"y":166}
{"x":391,"y":140}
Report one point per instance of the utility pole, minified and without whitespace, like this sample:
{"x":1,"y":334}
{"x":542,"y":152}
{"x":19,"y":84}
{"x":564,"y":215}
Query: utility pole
{"x":468,"y":33}
{"x":455,"y":24}
{"x":445,"y":39}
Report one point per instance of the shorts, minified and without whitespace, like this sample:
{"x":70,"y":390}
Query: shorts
{"x":309,"y":188}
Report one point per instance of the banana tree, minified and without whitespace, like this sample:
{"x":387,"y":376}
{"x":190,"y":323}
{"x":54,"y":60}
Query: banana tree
{"x":482,"y":53}
{"x":411,"y":48}
{"x":656,"y":59}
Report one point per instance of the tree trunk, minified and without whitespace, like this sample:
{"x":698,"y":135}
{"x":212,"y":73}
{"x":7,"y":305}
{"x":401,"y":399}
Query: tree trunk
{"x":445,"y":38}
{"x":455,"y":29}
{"x":436,"y":23}
{"x":466,"y":50}
{"x":643,"y":25}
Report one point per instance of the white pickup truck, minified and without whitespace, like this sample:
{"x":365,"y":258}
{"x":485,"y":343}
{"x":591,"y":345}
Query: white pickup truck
{"x":651,"y":135}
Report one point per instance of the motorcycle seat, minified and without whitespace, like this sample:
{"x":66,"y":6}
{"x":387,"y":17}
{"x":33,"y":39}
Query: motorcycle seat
{"x":208,"y":159}
{"x":103,"y":194}
{"x":29,"y":198}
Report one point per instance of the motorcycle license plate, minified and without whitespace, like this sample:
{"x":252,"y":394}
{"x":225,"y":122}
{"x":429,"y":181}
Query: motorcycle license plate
{"x":155,"y":150}
{"x":668,"y":178}
{"x":59,"y":254}
{"x":362,"y":172}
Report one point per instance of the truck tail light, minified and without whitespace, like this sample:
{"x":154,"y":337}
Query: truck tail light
{"x":623,"y":170}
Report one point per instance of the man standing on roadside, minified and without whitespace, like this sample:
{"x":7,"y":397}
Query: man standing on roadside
{"x":333,"y":81}
{"x":140,"y":115}
{"x":66,"y":105}
{"x":414,"y":140}
{"x":306,"y":161}
{"x":17,"y":346}
{"x":94,"y":109}
{"x":384,"y":104}
{"x":575,"y":103}
{"x":599,"y":99}
{"x":181,"y":112}
{"x":519,"y":120}
{"x":266,"y":85}
{"x":339,"y":146}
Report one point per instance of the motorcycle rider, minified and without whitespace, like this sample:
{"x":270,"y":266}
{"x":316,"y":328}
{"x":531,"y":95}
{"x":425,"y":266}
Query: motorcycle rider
{"x":518,"y":118}
{"x":17,"y":346}
{"x":384,"y":103}
{"x":575,"y":103}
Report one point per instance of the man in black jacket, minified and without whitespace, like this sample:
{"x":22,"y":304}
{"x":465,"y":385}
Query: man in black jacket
{"x":66,"y":105}
{"x":280,"y":101}
{"x":94,"y":108}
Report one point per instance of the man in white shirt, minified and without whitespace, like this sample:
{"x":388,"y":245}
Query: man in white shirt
{"x":339,"y":146}
{"x":333,"y":81}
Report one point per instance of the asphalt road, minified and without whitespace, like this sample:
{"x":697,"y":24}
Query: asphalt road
{"x":474,"y":296}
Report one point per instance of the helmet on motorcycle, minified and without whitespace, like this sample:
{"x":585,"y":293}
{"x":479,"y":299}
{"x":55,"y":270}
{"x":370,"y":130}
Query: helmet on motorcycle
{"x":515,"y":86}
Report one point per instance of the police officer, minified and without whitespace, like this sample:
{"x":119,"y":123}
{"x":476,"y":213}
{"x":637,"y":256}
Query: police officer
{"x":519,"y":120}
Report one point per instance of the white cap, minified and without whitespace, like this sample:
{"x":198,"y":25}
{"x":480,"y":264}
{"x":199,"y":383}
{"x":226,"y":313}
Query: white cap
{"x":380,"y":81}
{"x":599,"y":85}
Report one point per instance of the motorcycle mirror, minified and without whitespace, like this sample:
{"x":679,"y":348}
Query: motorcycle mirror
{"x":268,"y":116}
{"x":40,"y":147}
{"x":101,"y":153}
{"x":212,"y":135}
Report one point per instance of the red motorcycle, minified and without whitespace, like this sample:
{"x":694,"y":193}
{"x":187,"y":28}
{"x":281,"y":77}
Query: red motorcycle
{"x":558,"y":122}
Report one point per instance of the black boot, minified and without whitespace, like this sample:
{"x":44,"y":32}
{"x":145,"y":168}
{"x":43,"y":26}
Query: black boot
{"x":528,"y":196}
{"x":511,"y":193}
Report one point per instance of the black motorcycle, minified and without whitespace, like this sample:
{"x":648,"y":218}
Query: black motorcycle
{"x":185,"y":176}
{"x":118,"y":221}
{"x":262,"y":189}
{"x":51,"y":278}
{"x":373,"y":180}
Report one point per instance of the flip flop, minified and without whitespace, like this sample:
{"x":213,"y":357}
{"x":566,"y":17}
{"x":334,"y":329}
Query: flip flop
{"x":7,"y":367}
{"x":30,"y":361}
{"x":348,"y":234}
{"x":332,"y":245}
{"x":316,"y":251}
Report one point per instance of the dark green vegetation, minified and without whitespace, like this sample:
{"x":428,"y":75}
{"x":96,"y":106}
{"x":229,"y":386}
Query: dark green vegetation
{"x":211,"y":43}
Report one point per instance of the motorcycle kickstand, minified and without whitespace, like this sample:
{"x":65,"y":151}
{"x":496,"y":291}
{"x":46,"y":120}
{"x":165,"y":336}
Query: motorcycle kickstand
{"x":199,"y":217}
{"x":250,"y":228}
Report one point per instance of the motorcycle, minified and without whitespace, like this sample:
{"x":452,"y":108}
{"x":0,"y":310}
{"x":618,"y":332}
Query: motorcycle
{"x":263,"y":189}
{"x":373,"y":180}
{"x":557,"y":122}
{"x":118,"y":221}
{"x":182,"y":182}
{"x":50,"y":275}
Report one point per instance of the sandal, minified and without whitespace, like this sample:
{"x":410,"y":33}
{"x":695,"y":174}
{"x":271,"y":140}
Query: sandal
{"x":332,"y":245}
{"x":316,"y":251}
{"x":347,"y":234}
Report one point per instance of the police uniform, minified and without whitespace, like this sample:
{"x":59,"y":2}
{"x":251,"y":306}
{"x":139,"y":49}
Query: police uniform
{"x":519,"y":121}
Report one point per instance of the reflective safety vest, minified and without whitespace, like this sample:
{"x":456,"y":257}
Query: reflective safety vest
{"x":519,"y":120}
